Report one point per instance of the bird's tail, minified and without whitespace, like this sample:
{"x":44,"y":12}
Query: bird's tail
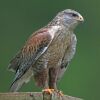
{"x":15,"y":86}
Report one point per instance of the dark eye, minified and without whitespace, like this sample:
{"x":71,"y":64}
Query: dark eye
{"x":74,"y":15}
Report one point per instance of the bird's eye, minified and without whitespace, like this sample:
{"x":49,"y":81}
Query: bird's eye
{"x":74,"y":15}
{"x":71,"y":14}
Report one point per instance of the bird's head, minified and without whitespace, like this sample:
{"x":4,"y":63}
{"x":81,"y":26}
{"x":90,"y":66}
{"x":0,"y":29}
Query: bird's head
{"x":69,"y":18}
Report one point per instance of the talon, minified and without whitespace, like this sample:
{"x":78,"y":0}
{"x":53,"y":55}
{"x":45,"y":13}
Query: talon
{"x":60,"y":93}
{"x":50,"y":91}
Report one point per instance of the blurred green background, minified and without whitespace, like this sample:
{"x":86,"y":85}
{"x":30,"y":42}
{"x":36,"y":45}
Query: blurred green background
{"x":19,"y":18}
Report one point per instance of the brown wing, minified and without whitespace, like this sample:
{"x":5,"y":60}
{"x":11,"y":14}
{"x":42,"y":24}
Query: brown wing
{"x":33,"y":49}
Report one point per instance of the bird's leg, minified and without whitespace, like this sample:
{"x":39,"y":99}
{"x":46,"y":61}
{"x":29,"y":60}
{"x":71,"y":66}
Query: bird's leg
{"x":41,"y":78}
{"x":53,"y":74}
{"x":48,"y":89}
{"x":45,"y":83}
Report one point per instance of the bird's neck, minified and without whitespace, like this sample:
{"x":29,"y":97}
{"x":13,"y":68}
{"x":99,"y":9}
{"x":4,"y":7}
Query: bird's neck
{"x":58,"y":22}
{"x":54,"y":22}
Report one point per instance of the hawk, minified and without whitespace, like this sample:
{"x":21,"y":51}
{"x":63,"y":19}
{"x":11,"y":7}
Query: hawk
{"x":47,"y":53}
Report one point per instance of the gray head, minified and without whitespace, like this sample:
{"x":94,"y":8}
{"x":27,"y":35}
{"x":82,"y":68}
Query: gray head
{"x":69,"y":18}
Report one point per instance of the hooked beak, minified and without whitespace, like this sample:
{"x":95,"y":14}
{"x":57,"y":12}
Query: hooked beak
{"x":80,"y":18}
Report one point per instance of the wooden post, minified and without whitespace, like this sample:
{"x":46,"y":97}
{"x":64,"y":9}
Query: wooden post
{"x":34,"y":96}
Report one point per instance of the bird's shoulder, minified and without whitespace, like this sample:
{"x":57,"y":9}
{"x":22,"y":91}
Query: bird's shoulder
{"x":34,"y":47}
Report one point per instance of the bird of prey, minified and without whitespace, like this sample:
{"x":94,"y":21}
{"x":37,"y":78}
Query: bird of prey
{"x":47,"y":53}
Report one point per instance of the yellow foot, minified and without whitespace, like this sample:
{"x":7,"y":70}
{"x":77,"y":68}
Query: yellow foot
{"x":49,"y":91}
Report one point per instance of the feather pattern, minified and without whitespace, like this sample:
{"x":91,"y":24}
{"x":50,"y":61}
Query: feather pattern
{"x":32,"y":50}
{"x":69,"y":53}
{"x":47,"y":53}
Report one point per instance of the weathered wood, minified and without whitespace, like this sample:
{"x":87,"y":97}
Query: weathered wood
{"x":34,"y":96}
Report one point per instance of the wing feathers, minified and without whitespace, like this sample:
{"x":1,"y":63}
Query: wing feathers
{"x":15,"y":62}
{"x":32,"y":50}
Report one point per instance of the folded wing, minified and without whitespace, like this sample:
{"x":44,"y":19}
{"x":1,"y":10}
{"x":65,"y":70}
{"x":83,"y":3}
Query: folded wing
{"x":33,"y":49}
